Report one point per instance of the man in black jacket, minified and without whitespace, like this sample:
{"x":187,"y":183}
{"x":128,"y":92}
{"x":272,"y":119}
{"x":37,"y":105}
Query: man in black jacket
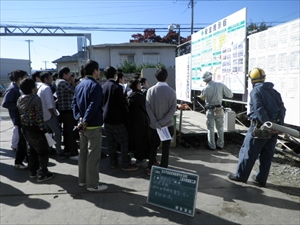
{"x":115,"y":116}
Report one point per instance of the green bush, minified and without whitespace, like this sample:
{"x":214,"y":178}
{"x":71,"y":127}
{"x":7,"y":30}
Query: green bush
{"x":131,"y":67}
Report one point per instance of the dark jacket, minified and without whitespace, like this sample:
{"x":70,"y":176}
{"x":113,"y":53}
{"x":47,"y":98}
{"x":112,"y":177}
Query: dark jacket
{"x":139,"y":125}
{"x":11,"y":96}
{"x":115,"y":109}
{"x":87,"y":102}
{"x":266,"y":103}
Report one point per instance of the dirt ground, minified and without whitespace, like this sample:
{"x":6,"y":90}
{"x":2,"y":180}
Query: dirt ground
{"x":285,"y":170}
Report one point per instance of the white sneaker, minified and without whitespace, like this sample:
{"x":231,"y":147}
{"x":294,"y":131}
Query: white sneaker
{"x":100,"y":187}
{"x":76,"y":157}
{"x":21,"y":167}
{"x":82,"y":184}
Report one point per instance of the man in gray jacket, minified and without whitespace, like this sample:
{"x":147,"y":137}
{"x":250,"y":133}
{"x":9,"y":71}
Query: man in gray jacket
{"x":161,"y":103}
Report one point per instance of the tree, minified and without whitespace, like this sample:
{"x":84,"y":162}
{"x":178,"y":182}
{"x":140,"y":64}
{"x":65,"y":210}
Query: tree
{"x":149,"y":36}
{"x":255,"y":27}
{"x":171,"y":37}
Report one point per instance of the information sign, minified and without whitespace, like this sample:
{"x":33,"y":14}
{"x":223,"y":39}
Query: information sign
{"x":277,"y":52}
{"x":174,"y":190}
{"x":220,"y":49}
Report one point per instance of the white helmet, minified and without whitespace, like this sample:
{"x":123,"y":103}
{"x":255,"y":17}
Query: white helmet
{"x":207,"y":76}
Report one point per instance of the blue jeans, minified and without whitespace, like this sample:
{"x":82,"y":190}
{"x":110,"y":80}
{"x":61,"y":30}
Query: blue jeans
{"x":21,"y":153}
{"x":252,"y":149}
{"x":37,"y":151}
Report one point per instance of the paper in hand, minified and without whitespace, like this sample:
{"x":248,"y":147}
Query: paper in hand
{"x":49,"y":140}
{"x":164,"y":134}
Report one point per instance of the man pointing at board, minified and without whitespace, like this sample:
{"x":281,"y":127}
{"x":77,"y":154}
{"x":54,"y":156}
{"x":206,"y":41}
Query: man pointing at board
{"x":213,"y":94}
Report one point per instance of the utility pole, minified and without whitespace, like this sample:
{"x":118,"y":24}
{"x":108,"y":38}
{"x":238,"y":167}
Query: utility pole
{"x":192,"y":16}
{"x":45,"y":64}
{"x":29,"y":55}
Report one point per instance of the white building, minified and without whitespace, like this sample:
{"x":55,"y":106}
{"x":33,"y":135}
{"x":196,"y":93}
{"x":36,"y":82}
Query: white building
{"x":115,"y":54}
{"x":8,"y":65}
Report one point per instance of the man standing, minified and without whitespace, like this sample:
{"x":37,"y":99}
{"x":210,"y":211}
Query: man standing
{"x":87,"y":108}
{"x":265,"y":105}
{"x":11,"y":96}
{"x":49,"y":110}
{"x":65,"y":93}
{"x":213,"y":94}
{"x":161,"y":105}
{"x":115,"y":117}
{"x":144,"y":84}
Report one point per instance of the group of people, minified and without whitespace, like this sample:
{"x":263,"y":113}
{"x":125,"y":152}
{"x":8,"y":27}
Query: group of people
{"x":129,"y":115}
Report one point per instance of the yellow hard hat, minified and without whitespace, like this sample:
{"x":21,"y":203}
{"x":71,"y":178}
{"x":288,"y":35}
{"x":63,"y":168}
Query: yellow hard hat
{"x":257,"y":75}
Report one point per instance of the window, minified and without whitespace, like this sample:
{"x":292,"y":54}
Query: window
{"x":151,"y":58}
{"x":128,"y":58}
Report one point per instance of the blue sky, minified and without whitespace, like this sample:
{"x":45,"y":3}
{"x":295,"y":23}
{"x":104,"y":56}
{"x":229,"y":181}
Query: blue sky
{"x":131,"y":16}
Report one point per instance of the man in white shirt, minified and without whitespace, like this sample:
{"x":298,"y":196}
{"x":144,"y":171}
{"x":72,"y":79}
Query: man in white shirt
{"x":49,"y":110}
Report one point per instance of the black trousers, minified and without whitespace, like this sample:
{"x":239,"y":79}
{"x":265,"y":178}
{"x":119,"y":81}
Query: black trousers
{"x":165,"y":146}
{"x":69,"y":122}
{"x":38,"y":150}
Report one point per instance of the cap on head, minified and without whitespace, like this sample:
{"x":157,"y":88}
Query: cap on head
{"x":207,"y":76}
{"x":257,"y":75}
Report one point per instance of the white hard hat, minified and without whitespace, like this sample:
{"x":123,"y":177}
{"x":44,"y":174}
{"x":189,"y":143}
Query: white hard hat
{"x":207,"y":76}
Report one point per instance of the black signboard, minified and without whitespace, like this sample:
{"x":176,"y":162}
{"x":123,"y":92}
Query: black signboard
{"x":174,"y":190}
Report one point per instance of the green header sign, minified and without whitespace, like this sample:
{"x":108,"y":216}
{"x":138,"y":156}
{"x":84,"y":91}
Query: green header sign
{"x":173,"y":190}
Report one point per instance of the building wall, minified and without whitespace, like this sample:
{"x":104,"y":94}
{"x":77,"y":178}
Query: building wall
{"x":74,"y":67}
{"x":111,"y":56}
{"x":148,"y":73}
{"x":102,"y":56}
{"x":8,"y":65}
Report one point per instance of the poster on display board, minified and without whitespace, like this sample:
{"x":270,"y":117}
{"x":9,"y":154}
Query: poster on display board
{"x":277,"y":52}
{"x":220,"y":48}
{"x":183,"y":77}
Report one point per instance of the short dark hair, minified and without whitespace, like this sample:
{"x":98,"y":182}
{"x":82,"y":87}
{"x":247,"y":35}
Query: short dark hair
{"x":161,"y":74}
{"x":16,"y":74}
{"x":120,"y":75}
{"x":110,"y":72}
{"x":35,"y":75}
{"x":55,"y":75}
{"x":44,"y":75}
{"x":137,"y":75}
{"x":27,"y":85}
{"x":62,"y":71}
{"x":82,"y":73}
{"x":90,"y":66}
{"x":133,"y":84}
{"x":143,"y":80}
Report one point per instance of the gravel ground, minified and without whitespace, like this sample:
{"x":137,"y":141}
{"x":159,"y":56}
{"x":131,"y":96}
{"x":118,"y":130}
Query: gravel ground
{"x":285,"y":170}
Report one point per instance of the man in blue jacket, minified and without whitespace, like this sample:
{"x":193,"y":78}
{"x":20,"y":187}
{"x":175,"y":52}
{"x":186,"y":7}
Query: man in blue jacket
{"x":265,"y":105}
{"x":10,"y":102}
{"x":87,"y":108}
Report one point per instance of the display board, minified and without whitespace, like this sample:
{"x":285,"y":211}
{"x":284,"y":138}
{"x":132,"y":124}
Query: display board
{"x":277,"y":52}
{"x":220,"y":48}
{"x":174,"y":190}
{"x":183,"y":77}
